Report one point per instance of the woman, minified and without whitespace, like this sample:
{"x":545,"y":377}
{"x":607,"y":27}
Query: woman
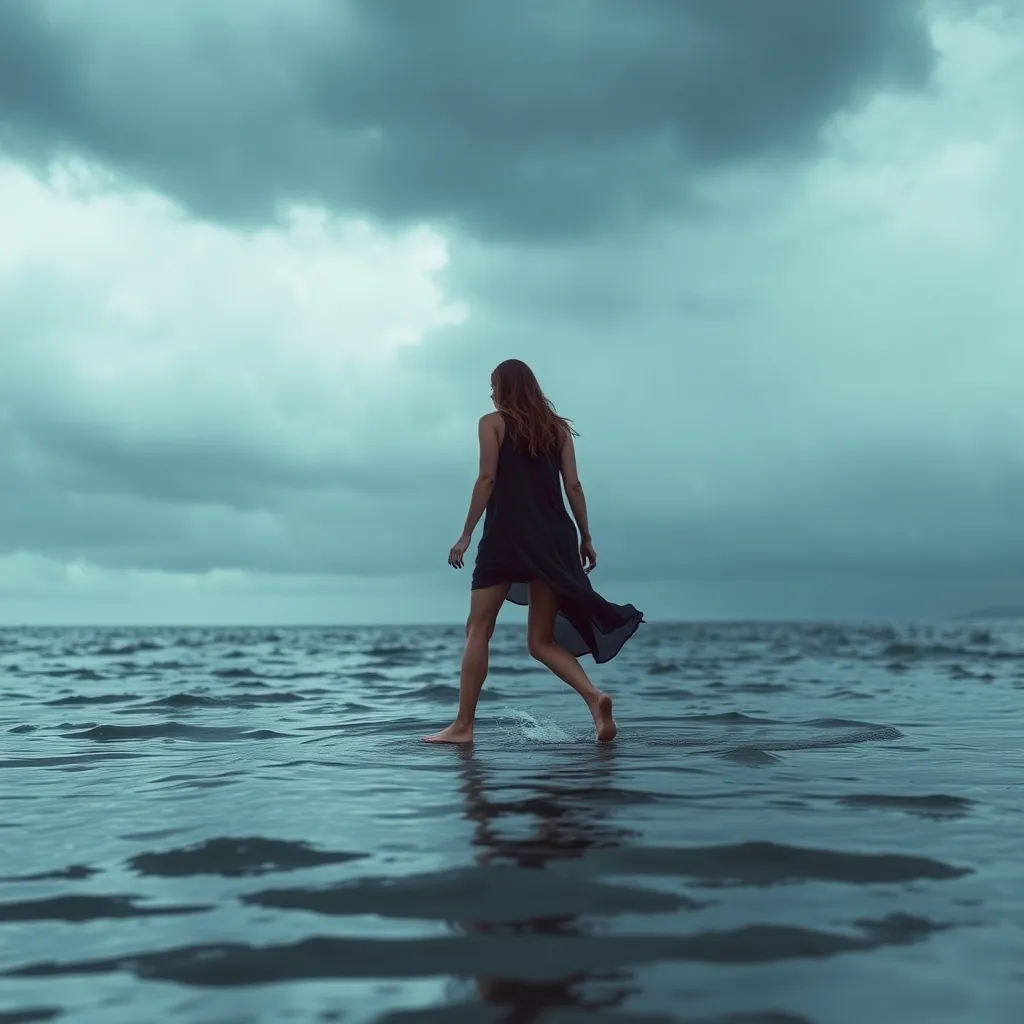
{"x":530,"y":553}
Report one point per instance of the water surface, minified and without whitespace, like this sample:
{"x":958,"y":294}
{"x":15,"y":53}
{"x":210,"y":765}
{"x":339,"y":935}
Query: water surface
{"x":796,"y":824}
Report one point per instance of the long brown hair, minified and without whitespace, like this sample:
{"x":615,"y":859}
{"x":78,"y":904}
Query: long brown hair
{"x":532,"y":417}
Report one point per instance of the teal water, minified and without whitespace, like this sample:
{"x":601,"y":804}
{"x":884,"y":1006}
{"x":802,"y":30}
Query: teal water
{"x":797,"y":823}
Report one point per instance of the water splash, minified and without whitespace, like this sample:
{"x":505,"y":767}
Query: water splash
{"x":520,"y":726}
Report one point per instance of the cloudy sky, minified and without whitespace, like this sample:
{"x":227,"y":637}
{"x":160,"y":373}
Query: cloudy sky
{"x":257,"y":260}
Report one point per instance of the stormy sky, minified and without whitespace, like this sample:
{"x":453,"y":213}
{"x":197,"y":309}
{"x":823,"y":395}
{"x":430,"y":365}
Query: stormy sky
{"x":257,"y":260}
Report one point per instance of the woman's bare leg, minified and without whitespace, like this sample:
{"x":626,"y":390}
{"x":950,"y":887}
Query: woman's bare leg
{"x":484,"y":605}
{"x":540,"y":637}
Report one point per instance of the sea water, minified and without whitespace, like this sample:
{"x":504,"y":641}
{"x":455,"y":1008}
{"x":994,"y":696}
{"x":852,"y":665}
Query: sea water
{"x":797,"y":823}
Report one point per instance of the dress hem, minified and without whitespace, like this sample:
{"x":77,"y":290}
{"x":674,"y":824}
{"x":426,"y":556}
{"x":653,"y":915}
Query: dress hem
{"x":636,"y":619}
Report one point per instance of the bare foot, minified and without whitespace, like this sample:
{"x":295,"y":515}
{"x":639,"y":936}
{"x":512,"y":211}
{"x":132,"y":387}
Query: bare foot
{"x":455,"y":733}
{"x":603,"y":721}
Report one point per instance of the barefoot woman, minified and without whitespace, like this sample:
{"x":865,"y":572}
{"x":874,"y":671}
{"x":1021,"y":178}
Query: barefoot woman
{"x":530,"y":553}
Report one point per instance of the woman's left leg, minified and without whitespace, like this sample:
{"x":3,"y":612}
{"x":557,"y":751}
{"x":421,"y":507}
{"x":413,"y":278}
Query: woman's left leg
{"x":540,"y":639}
{"x":484,"y":605}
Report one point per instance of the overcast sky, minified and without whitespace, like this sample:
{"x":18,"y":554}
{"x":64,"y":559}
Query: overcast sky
{"x":257,"y":260}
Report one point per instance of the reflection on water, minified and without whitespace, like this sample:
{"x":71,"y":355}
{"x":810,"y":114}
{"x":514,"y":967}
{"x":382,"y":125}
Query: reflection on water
{"x":552,"y":823}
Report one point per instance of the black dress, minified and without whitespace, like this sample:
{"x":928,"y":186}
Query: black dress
{"x":528,"y":534}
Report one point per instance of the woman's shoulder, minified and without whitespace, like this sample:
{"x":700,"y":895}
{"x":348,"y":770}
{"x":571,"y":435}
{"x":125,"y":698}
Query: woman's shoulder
{"x":494,"y":421}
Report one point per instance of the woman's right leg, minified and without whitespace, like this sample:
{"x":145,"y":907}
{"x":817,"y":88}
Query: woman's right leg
{"x":540,"y":639}
{"x":484,"y":605}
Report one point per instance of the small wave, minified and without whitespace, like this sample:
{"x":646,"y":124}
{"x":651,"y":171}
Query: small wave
{"x":65,"y":760}
{"x":662,"y":668}
{"x":750,"y":756}
{"x":199,"y":780}
{"x":844,"y":693}
{"x":273,"y":697}
{"x":72,"y":873}
{"x":937,"y":805}
{"x":185,"y":700}
{"x":80,"y":909}
{"x":725,"y":742}
{"x":392,"y":651}
{"x":170,"y":730}
{"x":31,"y":1015}
{"x":395,"y":656}
{"x":235,"y":673}
{"x":958,"y":672}
{"x":761,"y":688}
{"x":670,"y":692}
{"x":906,"y":651}
{"x":120,"y":650}
{"x":408,"y":662}
{"x":765,"y":864}
{"x":353,"y":707}
{"x":841,"y":723}
{"x":866,"y":734}
{"x":200,"y":700}
{"x":436,"y":692}
{"x":730,"y":718}
{"x":231,"y":857}
{"x":496,"y":894}
{"x":85,"y":700}
{"x":85,"y":674}
{"x":483,"y":955}
{"x":447,"y":693}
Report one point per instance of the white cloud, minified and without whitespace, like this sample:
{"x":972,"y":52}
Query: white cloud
{"x":144,"y":327}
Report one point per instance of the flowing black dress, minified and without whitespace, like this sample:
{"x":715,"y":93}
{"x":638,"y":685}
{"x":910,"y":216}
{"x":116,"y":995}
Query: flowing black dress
{"x":528,"y":534}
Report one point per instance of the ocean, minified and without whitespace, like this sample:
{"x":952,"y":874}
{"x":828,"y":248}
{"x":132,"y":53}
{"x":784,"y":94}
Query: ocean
{"x":797,"y":823}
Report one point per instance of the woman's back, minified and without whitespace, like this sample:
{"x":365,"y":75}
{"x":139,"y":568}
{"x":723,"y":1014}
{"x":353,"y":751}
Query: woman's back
{"x":526,"y":484}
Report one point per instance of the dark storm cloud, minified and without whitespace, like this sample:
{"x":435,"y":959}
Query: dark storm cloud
{"x":876,"y":521}
{"x":76,"y":492}
{"x":93,"y":460}
{"x":518,"y":119}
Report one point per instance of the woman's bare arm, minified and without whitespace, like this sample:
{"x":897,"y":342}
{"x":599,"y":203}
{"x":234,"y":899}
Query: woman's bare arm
{"x":488,"y":435}
{"x":573,"y":487}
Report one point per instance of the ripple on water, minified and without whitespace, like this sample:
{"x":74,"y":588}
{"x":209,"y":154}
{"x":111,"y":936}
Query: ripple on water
{"x":497,"y":894}
{"x":543,"y":957}
{"x":723,"y":827}
{"x":172,"y":730}
{"x":766,"y":864}
{"x":233,"y":857}
{"x":79,"y":909}
{"x":937,"y":805}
